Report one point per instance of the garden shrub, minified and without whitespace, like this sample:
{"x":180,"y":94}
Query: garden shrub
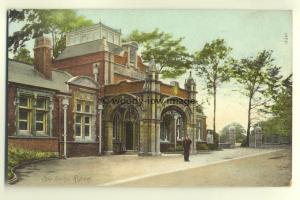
{"x":17,"y":156}
{"x":179,"y":147}
{"x":213,"y":146}
{"x":244,"y":143}
{"x":201,"y":146}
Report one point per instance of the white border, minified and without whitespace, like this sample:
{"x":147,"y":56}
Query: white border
{"x":161,"y":193}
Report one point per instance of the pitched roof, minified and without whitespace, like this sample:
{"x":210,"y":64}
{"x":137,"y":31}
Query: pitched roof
{"x":19,"y":72}
{"x":87,"y":48}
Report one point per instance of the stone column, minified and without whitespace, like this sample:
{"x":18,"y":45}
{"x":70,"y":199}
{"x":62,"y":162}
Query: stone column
{"x":175,"y":131}
{"x":100,"y":109}
{"x":158,"y":135}
{"x":65,"y":103}
{"x":143,"y":141}
{"x":109,"y":137}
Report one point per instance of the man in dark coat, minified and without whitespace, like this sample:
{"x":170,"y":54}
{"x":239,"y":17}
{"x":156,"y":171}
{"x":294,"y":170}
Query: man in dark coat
{"x":186,"y":147}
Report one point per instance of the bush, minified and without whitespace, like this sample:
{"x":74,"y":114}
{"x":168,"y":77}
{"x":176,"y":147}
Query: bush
{"x":17,"y":156}
{"x":201,"y":146}
{"x":179,"y":147}
{"x":213,"y":146}
{"x":244,"y":143}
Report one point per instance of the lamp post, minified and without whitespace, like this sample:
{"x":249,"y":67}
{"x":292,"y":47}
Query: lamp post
{"x":100,"y":109}
{"x":65,"y":103}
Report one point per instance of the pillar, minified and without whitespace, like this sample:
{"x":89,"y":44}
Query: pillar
{"x":65,"y":107}
{"x":109,"y":137}
{"x":100,"y":109}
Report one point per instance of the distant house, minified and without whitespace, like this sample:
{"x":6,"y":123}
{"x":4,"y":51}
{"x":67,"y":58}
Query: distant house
{"x":97,"y":88}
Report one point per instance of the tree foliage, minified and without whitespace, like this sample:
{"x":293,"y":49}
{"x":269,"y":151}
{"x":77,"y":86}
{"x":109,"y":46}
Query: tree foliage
{"x":281,"y":121}
{"x":170,"y":55}
{"x":39,"y":22}
{"x":23,"y":55}
{"x":211,"y":64}
{"x":239,"y":132}
{"x":259,"y":79}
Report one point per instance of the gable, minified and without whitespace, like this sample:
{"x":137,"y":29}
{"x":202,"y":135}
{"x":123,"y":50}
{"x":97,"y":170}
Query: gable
{"x":83,"y":81}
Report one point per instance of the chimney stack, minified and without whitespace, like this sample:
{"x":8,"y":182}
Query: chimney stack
{"x":43,"y":56}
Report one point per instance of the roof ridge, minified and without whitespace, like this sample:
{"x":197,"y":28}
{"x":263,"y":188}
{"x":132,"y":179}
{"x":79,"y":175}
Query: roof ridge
{"x":11,"y":59}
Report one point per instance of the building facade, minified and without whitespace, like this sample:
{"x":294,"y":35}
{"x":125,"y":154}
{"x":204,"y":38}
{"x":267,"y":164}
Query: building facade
{"x":98,"y":97}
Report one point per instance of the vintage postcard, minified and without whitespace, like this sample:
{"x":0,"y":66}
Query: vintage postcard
{"x":149,"y":98}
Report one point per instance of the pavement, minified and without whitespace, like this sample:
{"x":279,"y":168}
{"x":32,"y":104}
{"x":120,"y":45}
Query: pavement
{"x":118,"y":170}
{"x":271,"y":170}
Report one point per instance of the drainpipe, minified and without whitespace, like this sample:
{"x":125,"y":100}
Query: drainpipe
{"x":65,"y":103}
{"x":100,"y":108}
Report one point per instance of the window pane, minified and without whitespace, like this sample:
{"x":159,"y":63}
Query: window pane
{"x":110,"y":37}
{"x":78,"y":119}
{"x":40,"y":116}
{"x":24,"y":101}
{"x":23,"y":125}
{"x":87,"y":130}
{"x":116,"y":40}
{"x":132,"y":56}
{"x":104,"y":32}
{"x":87,"y":120}
{"x":39,"y":126}
{"x":87,"y":108}
{"x":78,"y":108}
{"x":23,"y":115}
{"x":41,"y":103}
{"x":78,"y":130}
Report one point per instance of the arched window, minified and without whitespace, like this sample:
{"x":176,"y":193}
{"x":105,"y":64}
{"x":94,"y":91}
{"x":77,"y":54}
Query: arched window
{"x":116,"y":126}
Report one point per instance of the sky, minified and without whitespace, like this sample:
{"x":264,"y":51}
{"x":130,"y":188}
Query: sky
{"x":246,"y":32}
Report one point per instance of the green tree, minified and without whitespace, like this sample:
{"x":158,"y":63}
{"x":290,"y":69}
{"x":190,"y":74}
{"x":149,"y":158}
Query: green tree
{"x":211,"y":64}
{"x":259,"y":79}
{"x":170,"y":55}
{"x":281,"y":111}
{"x":39,"y":22}
{"x":239,"y":131}
{"x":23,"y":55}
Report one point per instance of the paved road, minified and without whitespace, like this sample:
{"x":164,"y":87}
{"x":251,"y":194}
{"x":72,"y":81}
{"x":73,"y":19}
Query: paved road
{"x":116,"y":170}
{"x":272,"y":169}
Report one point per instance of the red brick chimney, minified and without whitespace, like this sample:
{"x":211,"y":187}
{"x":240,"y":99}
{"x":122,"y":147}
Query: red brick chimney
{"x":43,"y":56}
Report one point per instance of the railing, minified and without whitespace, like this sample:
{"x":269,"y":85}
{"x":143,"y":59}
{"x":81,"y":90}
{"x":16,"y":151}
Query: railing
{"x":129,"y":71}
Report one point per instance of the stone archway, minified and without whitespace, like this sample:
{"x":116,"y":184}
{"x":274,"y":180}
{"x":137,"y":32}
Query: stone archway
{"x":122,"y":125}
{"x":131,"y":129}
{"x":173,"y":127}
{"x":176,"y":121}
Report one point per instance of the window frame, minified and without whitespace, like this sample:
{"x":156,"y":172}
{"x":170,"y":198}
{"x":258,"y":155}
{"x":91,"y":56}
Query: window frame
{"x":83,"y":114}
{"x":45,"y":111}
{"x":28,"y":110}
{"x":32,"y":109}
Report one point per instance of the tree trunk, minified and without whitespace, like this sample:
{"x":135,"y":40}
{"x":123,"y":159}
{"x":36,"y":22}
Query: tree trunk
{"x":249,"y":120}
{"x":53,"y":43}
{"x":215,"y":104}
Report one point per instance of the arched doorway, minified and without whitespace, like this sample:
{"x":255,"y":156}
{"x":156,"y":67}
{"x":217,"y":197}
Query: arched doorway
{"x":131,"y":123}
{"x":126,"y":131}
{"x":173,"y":127}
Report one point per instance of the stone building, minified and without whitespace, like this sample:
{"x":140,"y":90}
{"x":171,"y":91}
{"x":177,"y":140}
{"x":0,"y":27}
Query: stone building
{"x":98,"y":97}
